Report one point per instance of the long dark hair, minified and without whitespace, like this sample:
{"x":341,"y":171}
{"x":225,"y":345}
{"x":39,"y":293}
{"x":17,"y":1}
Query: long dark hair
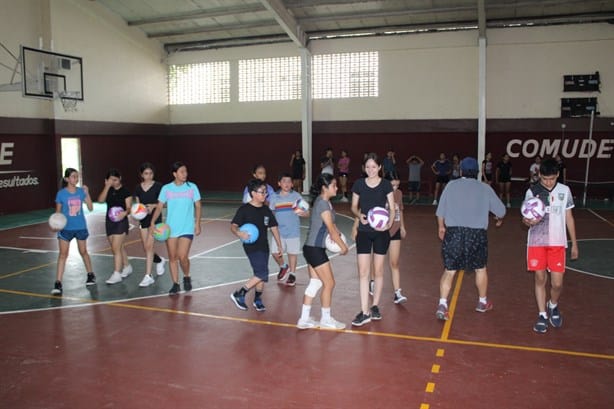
{"x":67,"y":173}
{"x":175,"y":167}
{"x":324,"y":179}
{"x":144,"y":166}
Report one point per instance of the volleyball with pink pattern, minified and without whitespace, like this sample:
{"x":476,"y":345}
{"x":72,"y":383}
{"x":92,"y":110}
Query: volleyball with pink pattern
{"x":533,"y":208}
{"x":378,"y":217}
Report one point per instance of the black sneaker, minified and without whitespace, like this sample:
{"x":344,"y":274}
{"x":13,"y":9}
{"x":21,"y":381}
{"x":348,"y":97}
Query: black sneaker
{"x":239,"y":300}
{"x":361,"y":319}
{"x":556,"y":320}
{"x":541,"y":326}
{"x":91,"y":279}
{"x":259,"y":305}
{"x":375,"y":314}
{"x":57,"y":288}
{"x":291,"y":281}
{"x":174,"y":289}
{"x":187,"y":284}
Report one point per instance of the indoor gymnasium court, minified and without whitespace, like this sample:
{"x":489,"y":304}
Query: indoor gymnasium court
{"x":223,"y":86}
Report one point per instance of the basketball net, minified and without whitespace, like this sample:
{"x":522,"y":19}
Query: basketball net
{"x":69,"y":100}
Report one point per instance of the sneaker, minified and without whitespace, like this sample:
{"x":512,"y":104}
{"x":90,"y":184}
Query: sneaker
{"x":541,"y":326}
{"x":147,"y":281}
{"x":126,"y":271}
{"x":160,"y":267}
{"x":57,"y":288}
{"x":435,"y":202}
{"x":509,"y":205}
{"x":174,"y":289}
{"x":91,"y":279}
{"x":371,"y":287}
{"x":259,"y":305}
{"x":282,"y":273}
{"x":344,"y":199}
{"x":331,"y":323}
{"x":291,"y":281}
{"x":555,"y":316}
{"x":115,"y":278}
{"x":307,"y":324}
{"x":239,"y":300}
{"x":187,"y":284}
{"x":399,"y":298}
{"x":442,"y":313}
{"x":375,"y":314}
{"x":361,"y":319}
{"x":483,"y":307}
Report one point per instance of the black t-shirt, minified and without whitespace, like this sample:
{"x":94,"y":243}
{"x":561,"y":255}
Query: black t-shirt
{"x":116,"y":197}
{"x":505,"y":170}
{"x":150,"y":196}
{"x":371,"y":197}
{"x":297,"y":168}
{"x":263,"y":218}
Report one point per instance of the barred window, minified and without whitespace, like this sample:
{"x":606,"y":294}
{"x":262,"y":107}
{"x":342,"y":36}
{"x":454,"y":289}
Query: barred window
{"x":202,"y":83}
{"x":347,"y":75}
{"x":270,"y":79}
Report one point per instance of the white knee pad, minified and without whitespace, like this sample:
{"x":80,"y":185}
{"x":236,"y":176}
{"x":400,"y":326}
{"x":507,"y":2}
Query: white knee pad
{"x":314,"y":286}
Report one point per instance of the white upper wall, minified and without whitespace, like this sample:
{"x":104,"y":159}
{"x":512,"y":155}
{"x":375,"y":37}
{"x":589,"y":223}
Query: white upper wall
{"x":123,"y":72}
{"x":435,"y":76}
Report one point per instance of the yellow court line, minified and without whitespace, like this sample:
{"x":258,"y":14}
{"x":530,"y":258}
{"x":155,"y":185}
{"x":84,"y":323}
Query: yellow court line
{"x":448,"y":325}
{"x":347,"y":331}
{"x":26,"y":270}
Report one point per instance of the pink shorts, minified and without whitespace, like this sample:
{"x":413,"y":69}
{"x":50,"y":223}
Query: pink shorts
{"x":546,"y":257}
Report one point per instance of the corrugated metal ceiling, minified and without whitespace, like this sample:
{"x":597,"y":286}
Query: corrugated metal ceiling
{"x":199,"y":24}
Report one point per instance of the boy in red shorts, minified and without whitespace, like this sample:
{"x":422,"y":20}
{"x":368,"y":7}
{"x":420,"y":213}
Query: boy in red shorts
{"x":547,"y":241}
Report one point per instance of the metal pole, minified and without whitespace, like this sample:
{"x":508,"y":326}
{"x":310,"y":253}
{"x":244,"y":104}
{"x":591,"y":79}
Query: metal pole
{"x":588,"y":157}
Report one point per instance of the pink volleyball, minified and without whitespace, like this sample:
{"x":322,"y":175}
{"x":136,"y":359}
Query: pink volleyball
{"x":378,"y":217}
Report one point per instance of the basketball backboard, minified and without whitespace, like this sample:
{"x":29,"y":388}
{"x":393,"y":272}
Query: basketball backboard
{"x":47,"y":74}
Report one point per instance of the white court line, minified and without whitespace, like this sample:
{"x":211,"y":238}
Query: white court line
{"x":27,"y":250}
{"x":601,"y":217}
{"x":588,"y":273}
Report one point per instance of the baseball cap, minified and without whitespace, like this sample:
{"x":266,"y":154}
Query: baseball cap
{"x":469,"y":164}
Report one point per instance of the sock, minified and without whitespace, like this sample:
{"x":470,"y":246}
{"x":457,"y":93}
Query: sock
{"x":156,"y":258}
{"x":242,"y":291}
{"x":483,"y":300}
{"x":543,"y":314}
{"x":444,"y":302}
{"x":305,"y":312}
{"x":257,"y":295}
{"x":325,"y":313}
{"x":284,"y":265}
{"x":550,"y":305}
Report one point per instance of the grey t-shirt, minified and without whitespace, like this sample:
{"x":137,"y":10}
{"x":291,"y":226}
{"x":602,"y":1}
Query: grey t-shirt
{"x":414,"y":172}
{"x":465,"y":202}
{"x":316,"y":236}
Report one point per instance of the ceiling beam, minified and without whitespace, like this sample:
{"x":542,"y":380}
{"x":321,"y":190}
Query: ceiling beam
{"x":213,"y":12}
{"x":215,"y":29}
{"x":286,"y":21}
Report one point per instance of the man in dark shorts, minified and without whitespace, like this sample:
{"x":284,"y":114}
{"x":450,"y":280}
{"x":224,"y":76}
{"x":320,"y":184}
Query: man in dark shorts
{"x":462,"y":217}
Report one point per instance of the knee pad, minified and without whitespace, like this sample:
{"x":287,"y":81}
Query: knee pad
{"x":312,"y":289}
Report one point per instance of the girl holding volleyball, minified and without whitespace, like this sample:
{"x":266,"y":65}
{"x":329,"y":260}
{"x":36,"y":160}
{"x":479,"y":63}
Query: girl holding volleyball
{"x":69,"y":201}
{"x":147,"y":193}
{"x":115,"y":194}
{"x":371,"y":244}
{"x":182,"y":199}
{"x":322,"y":221}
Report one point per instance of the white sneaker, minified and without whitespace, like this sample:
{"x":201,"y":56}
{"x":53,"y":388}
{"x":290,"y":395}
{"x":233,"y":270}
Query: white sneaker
{"x":115,"y":278}
{"x":331,"y":323}
{"x":147,"y":281}
{"x":344,"y":199}
{"x":126,"y":271}
{"x":160,"y":267}
{"x":435,"y":202}
{"x":306,"y":324}
{"x":509,"y":205}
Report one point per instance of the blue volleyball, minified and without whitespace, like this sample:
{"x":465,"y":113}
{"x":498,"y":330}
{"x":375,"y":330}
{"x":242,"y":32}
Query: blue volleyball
{"x":252,"y":230}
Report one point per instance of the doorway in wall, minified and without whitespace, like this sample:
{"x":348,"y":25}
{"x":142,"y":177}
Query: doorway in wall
{"x":71,"y":155}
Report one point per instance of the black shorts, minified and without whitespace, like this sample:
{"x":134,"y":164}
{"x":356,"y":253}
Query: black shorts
{"x":396,"y":236}
{"x":442,"y":179}
{"x":488,"y":177}
{"x":505,"y":179}
{"x":146,"y":222}
{"x":376,"y":241}
{"x":120,"y":227}
{"x":315,"y":256}
{"x":464,"y":248}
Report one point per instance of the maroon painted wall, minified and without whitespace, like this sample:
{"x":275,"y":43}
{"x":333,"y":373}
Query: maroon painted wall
{"x":220,"y":157}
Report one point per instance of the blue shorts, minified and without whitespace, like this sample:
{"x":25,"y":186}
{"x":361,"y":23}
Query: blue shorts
{"x":68,"y":235}
{"x":259,"y":261}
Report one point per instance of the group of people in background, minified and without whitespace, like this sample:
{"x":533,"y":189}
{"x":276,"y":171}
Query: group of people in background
{"x":462,"y":218}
